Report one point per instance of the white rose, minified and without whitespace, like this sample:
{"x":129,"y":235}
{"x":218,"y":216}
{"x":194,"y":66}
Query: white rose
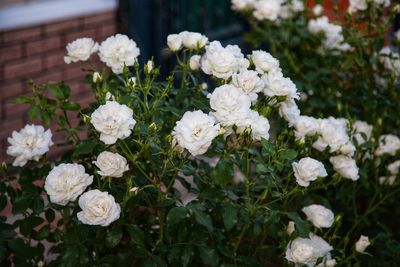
{"x":393,"y":167}
{"x":194,"y":62}
{"x":30,"y":143}
{"x":98,"y":208}
{"x":357,"y":5}
{"x":80,"y":50}
{"x":317,"y":10}
{"x":362,"y":243}
{"x":259,"y":125}
{"x":264,"y":62}
{"x":222,"y":62}
{"x":267,"y":9}
{"x":362,"y":128}
{"x":195,"y":132}
{"x":111,"y":164}
{"x":249,"y":82}
{"x":118,"y":51}
{"x":320,"y":216}
{"x":333,"y":33}
{"x":307,"y":250}
{"x":277,"y":85}
{"x":348,"y":149}
{"x":66,"y":182}
{"x":308,"y":169}
{"x":231,"y":105}
{"x":193,"y":40}
{"x":289,"y":111}
{"x":174,"y":42}
{"x":390,"y":60}
{"x":333,"y":134}
{"x":114,"y":121}
{"x":388,"y":144}
{"x":345,"y":166}
{"x":383,"y":180}
{"x":240,"y":5}
{"x":305,"y":126}
{"x":290,"y":227}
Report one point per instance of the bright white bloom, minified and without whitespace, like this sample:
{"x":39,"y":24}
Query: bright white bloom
{"x":118,"y":51}
{"x":80,"y":50}
{"x":66,"y":182}
{"x":289,"y":111}
{"x":114,"y":121}
{"x":277,"y":85}
{"x":30,"y":143}
{"x":267,"y":9}
{"x":307,"y":170}
{"x":96,"y":77}
{"x":320,"y":216}
{"x":231,"y":105}
{"x":195,"y":132}
{"x":259,"y":125}
{"x":194,"y":62}
{"x":387,"y":180}
{"x":388,"y":144}
{"x":362,"y":243}
{"x":348,"y":149}
{"x":174,"y":42}
{"x":98,"y":208}
{"x":362,"y":128}
{"x":390,"y":60}
{"x":290,"y":227}
{"x":357,"y":5}
{"x":222,"y":62}
{"x":305,"y":126}
{"x":264,"y":61}
{"x":317,"y":10}
{"x":111,"y":164}
{"x":328,"y":263}
{"x":240,"y":5}
{"x":193,"y":40}
{"x":249,"y":82}
{"x":345,"y":166}
{"x":333,"y":134}
{"x":393,"y":167}
{"x":307,"y":250}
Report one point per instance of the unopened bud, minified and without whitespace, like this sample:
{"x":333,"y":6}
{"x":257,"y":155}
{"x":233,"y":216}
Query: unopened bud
{"x":132,"y":81}
{"x":86,"y":119}
{"x":149,"y":66}
{"x":194,"y":62}
{"x":96,"y":77}
{"x":134,"y":190}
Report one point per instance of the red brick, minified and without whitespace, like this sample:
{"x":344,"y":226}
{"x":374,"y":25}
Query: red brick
{"x":107,"y":30}
{"x":10,"y":52}
{"x":61,"y":26}
{"x":22,"y":68}
{"x":22,"y":35}
{"x":43,"y":45}
{"x":74,"y":71}
{"x":13,"y":111}
{"x":91,"y":33}
{"x":55,"y":60}
{"x":8,"y":90}
{"x":102,"y":18}
{"x":55,"y":75}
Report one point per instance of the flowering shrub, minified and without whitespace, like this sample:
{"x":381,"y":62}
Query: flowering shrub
{"x":215,"y":166}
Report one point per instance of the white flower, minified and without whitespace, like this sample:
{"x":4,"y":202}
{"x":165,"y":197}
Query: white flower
{"x":317,"y":10}
{"x":114,"y":121}
{"x":289,"y":111}
{"x":362,"y":128}
{"x":305,"y":126}
{"x":263,"y":61}
{"x":195,"y":132}
{"x":348,"y":149}
{"x":267,"y":9}
{"x":308,"y":169}
{"x":66,"y":182}
{"x":357,"y":5}
{"x":80,"y":50}
{"x":388,"y":144}
{"x":387,"y":180}
{"x":320,"y":216}
{"x":362,"y":243}
{"x":132,"y":81}
{"x":193,"y":40}
{"x":174,"y":42}
{"x":96,"y":77}
{"x":222,"y":62}
{"x":290,"y":9}
{"x":111,"y":164}
{"x":98,"y":208}
{"x":238,"y":175}
{"x":333,"y":134}
{"x":390,"y":60}
{"x":194,"y":62}
{"x":249,"y":82}
{"x":30,"y":143}
{"x":149,"y":66}
{"x":277,"y":85}
{"x":118,"y":51}
{"x":393,"y":167}
{"x":290,"y":227}
{"x":240,"y":5}
{"x":231,"y":105}
{"x":345,"y":166}
{"x":259,"y":125}
{"x":307,"y":250}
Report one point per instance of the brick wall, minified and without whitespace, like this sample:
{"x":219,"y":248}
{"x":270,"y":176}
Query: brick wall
{"x":37,"y":53}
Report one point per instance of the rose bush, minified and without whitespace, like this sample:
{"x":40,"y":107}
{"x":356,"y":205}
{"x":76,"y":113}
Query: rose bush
{"x":187,"y":173}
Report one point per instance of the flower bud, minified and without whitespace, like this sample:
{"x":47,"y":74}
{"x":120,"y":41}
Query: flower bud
{"x":149,"y":66}
{"x":132,"y":81}
{"x":362,"y":243}
{"x":290,"y":228}
{"x":194,"y":62}
{"x":96,"y":77}
{"x":86,"y":119}
{"x":134,"y":190}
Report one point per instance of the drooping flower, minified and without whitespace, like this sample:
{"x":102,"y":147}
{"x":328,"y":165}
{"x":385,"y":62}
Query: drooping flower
{"x":80,"y":50}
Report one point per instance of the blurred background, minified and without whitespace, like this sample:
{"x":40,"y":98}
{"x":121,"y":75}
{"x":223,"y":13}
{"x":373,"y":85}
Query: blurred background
{"x":34,"y":33}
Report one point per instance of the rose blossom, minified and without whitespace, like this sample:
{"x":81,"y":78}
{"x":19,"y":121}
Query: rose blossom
{"x":264,"y":61}
{"x":333,"y":134}
{"x":362,"y":130}
{"x":259,"y":125}
{"x":362,"y":243}
{"x":66,"y":182}
{"x":289,"y":111}
{"x":388,"y":144}
{"x":393,"y":167}
{"x":30,"y":143}
{"x":308,"y":169}
{"x":193,"y":40}
{"x":80,"y":50}
{"x":320,"y":216}
{"x":114,"y":121}
{"x":305,"y":126}
{"x":98,"y":208}
{"x":194,"y":62}
{"x":174,"y":42}
{"x":111,"y":164}
{"x":345,"y":166}
{"x":267,"y":9}
{"x":249,"y":82}
{"x":277,"y":85}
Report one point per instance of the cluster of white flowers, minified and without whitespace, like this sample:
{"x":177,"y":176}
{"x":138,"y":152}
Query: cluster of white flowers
{"x":116,"y":51}
{"x":362,"y":5}
{"x":188,"y":40}
{"x":390,"y":60}
{"x":333,"y":36}
{"x":30,"y":143}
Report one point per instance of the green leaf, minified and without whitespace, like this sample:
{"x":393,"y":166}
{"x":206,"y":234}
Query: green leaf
{"x":50,"y":215}
{"x":301,"y":226}
{"x":57,"y":92}
{"x":113,"y":237}
{"x":287,"y":154}
{"x":203,"y":219}
{"x":3,"y":202}
{"x":85,"y":147}
{"x":21,"y":203}
{"x":43,"y":232}
{"x":26,"y":226}
{"x":23,"y":99}
{"x":208,"y":256}
{"x":229,"y":217}
{"x":70,"y":105}
{"x":34,"y":112}
{"x":38,"y":204}
{"x":176,"y":215}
